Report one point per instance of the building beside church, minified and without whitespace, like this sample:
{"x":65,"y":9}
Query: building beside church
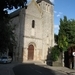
{"x":34,"y":31}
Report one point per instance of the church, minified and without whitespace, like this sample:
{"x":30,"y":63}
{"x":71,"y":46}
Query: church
{"x":34,"y":31}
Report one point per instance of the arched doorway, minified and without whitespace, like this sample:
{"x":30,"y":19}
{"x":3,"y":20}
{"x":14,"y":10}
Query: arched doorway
{"x":30,"y":52}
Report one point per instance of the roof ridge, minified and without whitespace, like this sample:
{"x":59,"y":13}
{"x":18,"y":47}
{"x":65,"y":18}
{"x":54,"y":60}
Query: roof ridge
{"x":48,"y":1}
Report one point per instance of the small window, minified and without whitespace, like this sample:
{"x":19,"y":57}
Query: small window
{"x":33,"y":24}
{"x":46,"y":7}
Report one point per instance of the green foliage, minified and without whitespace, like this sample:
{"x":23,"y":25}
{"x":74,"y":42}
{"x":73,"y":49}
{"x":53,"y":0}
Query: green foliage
{"x":67,"y":29}
{"x":62,"y":36}
{"x":56,"y":38}
{"x":55,"y":52}
{"x":7,"y":38}
{"x":71,"y":32}
{"x":62,"y":42}
{"x":9,"y":4}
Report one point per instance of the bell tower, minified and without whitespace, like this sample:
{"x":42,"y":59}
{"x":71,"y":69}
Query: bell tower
{"x":48,"y":24}
{"x":44,"y":4}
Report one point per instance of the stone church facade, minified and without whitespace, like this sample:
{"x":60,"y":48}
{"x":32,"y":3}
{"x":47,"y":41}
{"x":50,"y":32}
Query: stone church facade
{"x":34,"y":31}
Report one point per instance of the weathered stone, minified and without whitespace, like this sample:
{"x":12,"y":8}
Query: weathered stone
{"x":41,"y":36}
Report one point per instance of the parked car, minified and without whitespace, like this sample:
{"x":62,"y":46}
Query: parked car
{"x":5,"y":59}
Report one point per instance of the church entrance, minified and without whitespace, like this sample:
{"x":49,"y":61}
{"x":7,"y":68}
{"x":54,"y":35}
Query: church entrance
{"x":30,"y":52}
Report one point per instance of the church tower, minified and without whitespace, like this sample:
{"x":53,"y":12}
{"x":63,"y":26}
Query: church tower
{"x":47,"y":24}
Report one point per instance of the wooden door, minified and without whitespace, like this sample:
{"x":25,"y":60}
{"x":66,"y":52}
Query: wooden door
{"x":30,"y":52}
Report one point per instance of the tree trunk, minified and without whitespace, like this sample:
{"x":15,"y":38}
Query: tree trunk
{"x":63,"y":58}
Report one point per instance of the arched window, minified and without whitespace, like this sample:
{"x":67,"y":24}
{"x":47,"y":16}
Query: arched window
{"x":33,"y":23}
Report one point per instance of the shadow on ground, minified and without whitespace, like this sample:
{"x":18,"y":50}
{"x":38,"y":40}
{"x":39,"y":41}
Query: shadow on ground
{"x":32,"y":69}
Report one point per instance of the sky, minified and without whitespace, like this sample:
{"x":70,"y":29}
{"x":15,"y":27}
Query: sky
{"x":61,"y":8}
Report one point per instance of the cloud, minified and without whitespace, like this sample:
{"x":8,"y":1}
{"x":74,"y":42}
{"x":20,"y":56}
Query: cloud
{"x":55,"y":12}
{"x":59,"y":14}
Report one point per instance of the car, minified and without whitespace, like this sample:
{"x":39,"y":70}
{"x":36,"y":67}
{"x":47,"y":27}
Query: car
{"x":5,"y":59}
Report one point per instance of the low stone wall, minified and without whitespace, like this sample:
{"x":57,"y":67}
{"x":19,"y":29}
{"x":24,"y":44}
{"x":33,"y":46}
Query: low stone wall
{"x":56,"y":63}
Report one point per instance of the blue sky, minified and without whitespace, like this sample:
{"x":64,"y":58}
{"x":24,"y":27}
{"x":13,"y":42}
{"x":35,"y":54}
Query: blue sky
{"x":62,"y":8}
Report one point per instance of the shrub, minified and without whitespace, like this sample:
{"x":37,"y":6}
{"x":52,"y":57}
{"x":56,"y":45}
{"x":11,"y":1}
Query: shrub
{"x":55,"y":52}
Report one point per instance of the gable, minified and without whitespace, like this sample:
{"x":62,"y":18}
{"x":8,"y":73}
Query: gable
{"x":33,"y":9}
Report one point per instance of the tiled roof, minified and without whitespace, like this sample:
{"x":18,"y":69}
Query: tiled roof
{"x":15,"y":13}
{"x":48,"y":1}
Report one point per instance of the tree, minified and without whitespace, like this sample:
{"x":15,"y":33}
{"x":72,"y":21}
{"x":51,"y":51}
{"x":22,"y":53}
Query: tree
{"x":67,"y":28}
{"x":70,"y":32}
{"x":56,"y":38}
{"x":66,"y":36}
{"x":9,"y":4}
{"x":63,"y":45}
{"x":55,"y":52}
{"x":62,"y":38}
{"x":7,"y":38}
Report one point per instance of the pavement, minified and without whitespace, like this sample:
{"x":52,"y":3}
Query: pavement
{"x":63,"y":70}
{"x":6,"y":69}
